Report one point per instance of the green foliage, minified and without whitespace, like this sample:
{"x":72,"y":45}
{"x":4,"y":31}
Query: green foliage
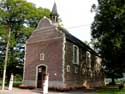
{"x":108,"y":32}
{"x":21,"y":17}
{"x":18,"y":77}
{"x":110,"y":91}
{"x":17,"y":83}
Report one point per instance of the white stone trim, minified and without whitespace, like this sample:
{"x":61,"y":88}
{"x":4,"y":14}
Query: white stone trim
{"x":44,"y":40}
{"x":42,"y":56}
{"x":76,"y":70}
{"x":57,"y":84}
{"x":24,"y":64}
{"x":88,"y":54}
{"x":83,"y":71}
{"x":44,"y":29}
{"x":68,"y":68}
{"x":63,"y":58}
{"x":37,"y":72}
{"x":44,"y":18}
{"x":77,"y":55}
{"x":29,"y":83}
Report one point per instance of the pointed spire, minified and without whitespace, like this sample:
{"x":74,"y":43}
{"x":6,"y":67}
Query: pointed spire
{"x":54,"y":14}
{"x":54,"y":10}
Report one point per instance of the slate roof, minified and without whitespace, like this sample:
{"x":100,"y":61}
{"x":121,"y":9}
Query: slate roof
{"x":76,"y":41}
{"x":54,"y":11}
{"x":69,"y":36}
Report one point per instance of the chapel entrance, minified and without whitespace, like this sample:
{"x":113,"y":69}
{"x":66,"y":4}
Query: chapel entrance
{"x":41,"y":75}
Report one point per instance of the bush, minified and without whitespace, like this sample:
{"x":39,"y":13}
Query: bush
{"x":17,"y":83}
{"x":26,"y":87}
{"x":18,"y":77}
{"x":63,"y":89}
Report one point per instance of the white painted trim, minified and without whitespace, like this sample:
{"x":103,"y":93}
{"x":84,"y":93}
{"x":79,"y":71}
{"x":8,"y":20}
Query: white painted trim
{"x":44,"y":40}
{"x":68,"y":68}
{"x":24,"y":64}
{"x":44,"y":29}
{"x":88,"y":54}
{"x":44,"y":18}
{"x":77,"y":55}
{"x":88,"y":59}
{"x":76,"y":70}
{"x":37,"y":72}
{"x":42,"y":56}
{"x":41,"y":30}
{"x":63,"y":58}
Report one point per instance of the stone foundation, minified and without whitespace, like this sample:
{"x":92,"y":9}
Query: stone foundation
{"x":29,"y":83}
{"x":56,"y":84}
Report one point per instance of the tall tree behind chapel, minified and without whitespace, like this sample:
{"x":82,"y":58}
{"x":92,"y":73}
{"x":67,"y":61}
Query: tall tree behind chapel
{"x":108,"y":36}
{"x":21,"y":17}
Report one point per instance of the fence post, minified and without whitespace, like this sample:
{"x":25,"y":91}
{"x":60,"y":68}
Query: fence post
{"x":11,"y":82}
{"x":45,"y":84}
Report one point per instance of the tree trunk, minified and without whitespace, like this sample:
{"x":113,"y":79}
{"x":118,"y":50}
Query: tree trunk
{"x":6,"y":58}
{"x":113,"y":81}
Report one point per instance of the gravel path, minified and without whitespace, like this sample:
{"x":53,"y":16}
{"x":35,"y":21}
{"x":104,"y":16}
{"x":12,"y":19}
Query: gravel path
{"x":38,"y":91}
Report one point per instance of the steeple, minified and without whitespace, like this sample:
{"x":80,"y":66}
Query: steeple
{"x":54,"y":14}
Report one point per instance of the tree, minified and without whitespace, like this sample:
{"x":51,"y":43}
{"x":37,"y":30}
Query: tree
{"x":108,"y":32}
{"x":17,"y":19}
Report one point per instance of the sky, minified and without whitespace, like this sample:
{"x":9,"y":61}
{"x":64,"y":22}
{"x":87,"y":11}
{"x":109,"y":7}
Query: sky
{"x":75,"y":14}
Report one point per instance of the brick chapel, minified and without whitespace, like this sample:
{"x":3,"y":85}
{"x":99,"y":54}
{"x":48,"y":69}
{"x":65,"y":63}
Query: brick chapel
{"x":53,"y":50}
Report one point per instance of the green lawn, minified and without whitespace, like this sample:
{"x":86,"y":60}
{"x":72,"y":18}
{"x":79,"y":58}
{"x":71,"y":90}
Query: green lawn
{"x":15,"y":83}
{"x":110,"y":91}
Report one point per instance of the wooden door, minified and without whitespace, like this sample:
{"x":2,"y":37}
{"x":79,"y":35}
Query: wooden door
{"x":41,"y":72}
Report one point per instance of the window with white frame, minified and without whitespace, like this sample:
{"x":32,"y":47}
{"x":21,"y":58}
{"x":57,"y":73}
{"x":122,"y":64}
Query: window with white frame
{"x":76,"y":69}
{"x":88,"y":59}
{"x":75,"y":54}
{"x":83,"y":71}
{"x":68,"y":68}
{"x":42,"y":56}
{"x":88,"y":54}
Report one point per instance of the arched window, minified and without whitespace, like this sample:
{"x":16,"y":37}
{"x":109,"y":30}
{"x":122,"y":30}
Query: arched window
{"x":68,"y":68}
{"x":75,"y":54}
{"x":76,"y":69}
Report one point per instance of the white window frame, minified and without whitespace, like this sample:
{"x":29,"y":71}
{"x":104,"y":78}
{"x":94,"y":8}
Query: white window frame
{"x":76,"y":70}
{"x":68,"y":68}
{"x":88,"y":54}
{"x":42,"y":56}
{"x":83,"y":70}
{"x":76,"y":58}
{"x":88,"y":59}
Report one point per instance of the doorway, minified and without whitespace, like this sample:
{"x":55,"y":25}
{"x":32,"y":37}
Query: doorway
{"x":41,"y":73}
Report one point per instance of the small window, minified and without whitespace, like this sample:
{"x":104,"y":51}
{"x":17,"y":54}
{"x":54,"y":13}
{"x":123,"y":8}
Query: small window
{"x":76,"y":69}
{"x":42,"y":55}
{"x":88,"y":57}
{"x":88,"y":54}
{"x":75,"y":54}
{"x":83,"y":71}
{"x":68,"y":68}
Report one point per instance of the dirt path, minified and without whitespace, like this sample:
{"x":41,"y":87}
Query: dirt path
{"x":38,"y":91}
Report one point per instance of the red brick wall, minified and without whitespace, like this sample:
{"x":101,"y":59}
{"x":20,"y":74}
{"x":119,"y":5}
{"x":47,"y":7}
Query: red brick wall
{"x":75,"y":79}
{"x":71,"y":77}
{"x":50,"y":43}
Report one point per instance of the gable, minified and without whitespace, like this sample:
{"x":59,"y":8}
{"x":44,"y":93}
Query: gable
{"x":44,"y":31}
{"x":43,"y":23}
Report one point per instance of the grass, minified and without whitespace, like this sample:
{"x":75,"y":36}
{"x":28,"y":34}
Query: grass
{"x":15,"y":83}
{"x":110,"y":91}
